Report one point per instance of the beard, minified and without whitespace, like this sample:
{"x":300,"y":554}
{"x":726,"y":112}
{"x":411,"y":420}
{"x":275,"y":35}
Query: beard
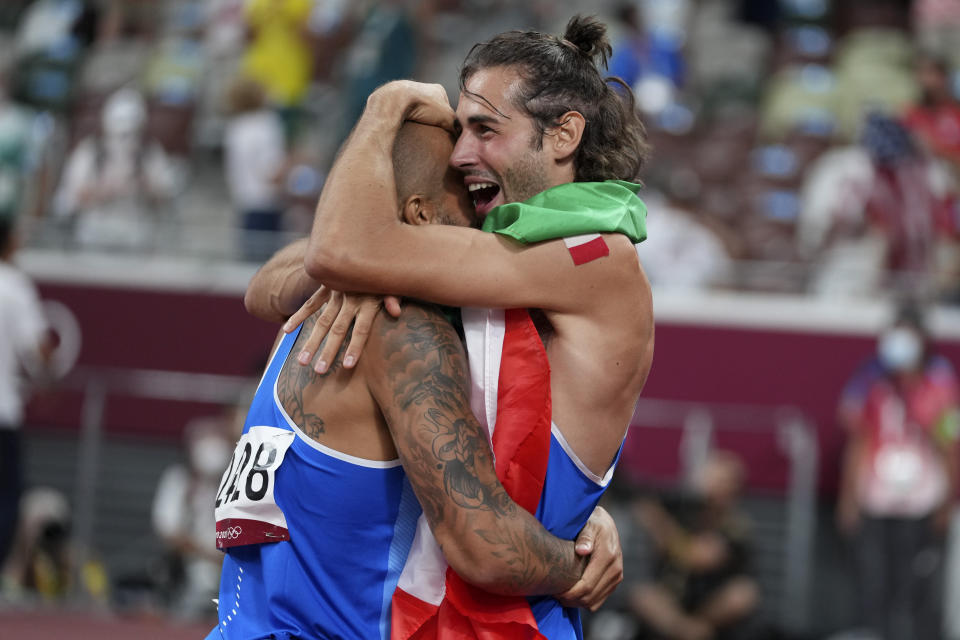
{"x":525,"y":179}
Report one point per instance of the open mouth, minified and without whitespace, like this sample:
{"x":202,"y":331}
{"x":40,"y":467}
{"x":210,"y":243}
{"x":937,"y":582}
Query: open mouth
{"x":483,"y":195}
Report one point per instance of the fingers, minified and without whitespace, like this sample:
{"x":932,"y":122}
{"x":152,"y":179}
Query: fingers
{"x":430,"y":105}
{"x":320,"y":331}
{"x":367,"y":312}
{"x":333,"y":324}
{"x":392,"y":305}
{"x":591,"y":592}
{"x":336,"y":332}
{"x":434,"y":114}
{"x":418,"y":101}
{"x":309,"y":307}
{"x":604,"y":570}
{"x":585,"y":541}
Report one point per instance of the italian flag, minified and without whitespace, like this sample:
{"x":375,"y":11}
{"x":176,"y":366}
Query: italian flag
{"x":510,"y":395}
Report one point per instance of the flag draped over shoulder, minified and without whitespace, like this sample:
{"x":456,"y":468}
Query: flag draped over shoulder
{"x":573,"y":209}
{"x":510,"y":396}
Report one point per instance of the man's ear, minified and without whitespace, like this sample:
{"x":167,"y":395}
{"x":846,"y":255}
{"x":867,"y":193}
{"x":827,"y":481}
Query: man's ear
{"x":565,"y":136}
{"x":417,"y":210}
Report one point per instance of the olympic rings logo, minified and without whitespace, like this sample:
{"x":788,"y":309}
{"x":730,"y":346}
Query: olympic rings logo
{"x":230,"y":533}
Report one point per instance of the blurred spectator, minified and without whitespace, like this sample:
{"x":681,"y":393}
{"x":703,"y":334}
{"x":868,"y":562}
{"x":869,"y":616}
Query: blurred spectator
{"x":898,"y":480}
{"x":701,"y":586}
{"x":910,"y":200}
{"x":42,"y":563}
{"x":254,"y":159}
{"x":183,"y":514}
{"x":879,"y":206}
{"x":683,"y":253}
{"x":114,"y":185}
{"x":279,"y":56}
{"x":935,"y":119}
{"x":26,"y":343}
{"x":848,"y":256}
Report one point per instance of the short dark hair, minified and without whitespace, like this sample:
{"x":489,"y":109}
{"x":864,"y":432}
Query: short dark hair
{"x":416,"y":167}
{"x":561,"y":74}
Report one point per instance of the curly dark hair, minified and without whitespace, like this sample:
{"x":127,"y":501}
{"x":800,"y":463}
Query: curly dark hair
{"x":562,"y":74}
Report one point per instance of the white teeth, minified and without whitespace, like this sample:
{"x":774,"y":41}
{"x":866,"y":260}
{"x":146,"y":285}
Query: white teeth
{"x":480,"y":185}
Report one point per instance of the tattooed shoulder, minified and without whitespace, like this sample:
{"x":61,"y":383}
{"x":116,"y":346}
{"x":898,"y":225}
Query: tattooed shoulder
{"x":295,"y":378}
{"x":424,"y":358}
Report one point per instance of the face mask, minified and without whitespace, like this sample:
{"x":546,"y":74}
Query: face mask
{"x":209,"y":456}
{"x":900,"y":349}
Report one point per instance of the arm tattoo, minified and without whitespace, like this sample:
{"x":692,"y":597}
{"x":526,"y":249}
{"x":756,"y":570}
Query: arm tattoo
{"x":295,"y":378}
{"x":447,"y":457}
{"x":459,"y":448}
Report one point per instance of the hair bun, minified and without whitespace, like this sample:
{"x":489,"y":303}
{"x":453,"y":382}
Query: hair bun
{"x":589,"y":36}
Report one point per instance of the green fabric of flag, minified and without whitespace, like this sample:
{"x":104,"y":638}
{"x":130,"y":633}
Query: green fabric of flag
{"x":573,"y":209}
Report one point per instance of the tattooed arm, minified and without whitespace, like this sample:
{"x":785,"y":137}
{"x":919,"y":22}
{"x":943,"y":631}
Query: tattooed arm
{"x":420,"y":384}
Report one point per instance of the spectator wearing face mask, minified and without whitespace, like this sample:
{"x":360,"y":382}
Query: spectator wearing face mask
{"x":183,"y":516}
{"x":898,"y":479}
{"x":115,"y":185}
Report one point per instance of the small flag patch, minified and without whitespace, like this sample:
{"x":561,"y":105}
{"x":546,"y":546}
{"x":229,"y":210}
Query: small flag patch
{"x":586,"y":248}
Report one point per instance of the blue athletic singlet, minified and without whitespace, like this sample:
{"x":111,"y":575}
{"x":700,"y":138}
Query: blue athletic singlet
{"x":350,"y":521}
{"x":570,"y":494}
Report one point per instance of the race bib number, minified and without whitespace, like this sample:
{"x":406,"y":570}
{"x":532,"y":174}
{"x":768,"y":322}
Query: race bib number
{"x":246,"y":510}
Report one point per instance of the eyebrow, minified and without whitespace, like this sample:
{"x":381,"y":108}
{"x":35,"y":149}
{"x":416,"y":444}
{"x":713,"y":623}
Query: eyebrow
{"x":474,"y":120}
{"x":481,"y":119}
{"x":476,"y":97}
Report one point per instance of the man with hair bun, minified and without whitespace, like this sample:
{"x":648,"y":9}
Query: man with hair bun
{"x":548,"y":149}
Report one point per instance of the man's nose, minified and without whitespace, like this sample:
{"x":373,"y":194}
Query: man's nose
{"x":464,"y":152}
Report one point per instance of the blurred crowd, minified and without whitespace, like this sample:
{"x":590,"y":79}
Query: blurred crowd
{"x":800,"y":145}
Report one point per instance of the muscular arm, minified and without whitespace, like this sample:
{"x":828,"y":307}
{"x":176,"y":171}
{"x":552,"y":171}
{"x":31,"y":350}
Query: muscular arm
{"x":421,"y":387}
{"x":359,"y":244}
{"x":280,"y":286}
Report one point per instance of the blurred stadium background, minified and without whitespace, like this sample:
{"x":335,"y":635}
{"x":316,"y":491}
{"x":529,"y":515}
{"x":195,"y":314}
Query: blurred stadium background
{"x":775,"y":264}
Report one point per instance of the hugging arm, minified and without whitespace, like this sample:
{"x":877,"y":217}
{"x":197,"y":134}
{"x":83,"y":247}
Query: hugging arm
{"x":421,"y":387}
{"x":359,"y":244}
{"x":281,"y":291}
{"x":281,"y":286}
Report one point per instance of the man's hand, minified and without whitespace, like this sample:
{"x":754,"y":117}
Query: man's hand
{"x":417,"y":101}
{"x":600,"y":540}
{"x":340,"y":312}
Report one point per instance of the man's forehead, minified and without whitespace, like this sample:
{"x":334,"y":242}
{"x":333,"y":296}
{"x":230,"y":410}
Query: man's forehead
{"x":488,"y":94}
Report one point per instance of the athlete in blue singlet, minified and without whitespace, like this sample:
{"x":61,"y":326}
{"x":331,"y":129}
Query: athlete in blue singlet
{"x":570,"y":494}
{"x":317,"y":508}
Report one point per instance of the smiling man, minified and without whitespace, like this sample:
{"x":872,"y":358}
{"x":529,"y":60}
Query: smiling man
{"x":538,"y":123}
